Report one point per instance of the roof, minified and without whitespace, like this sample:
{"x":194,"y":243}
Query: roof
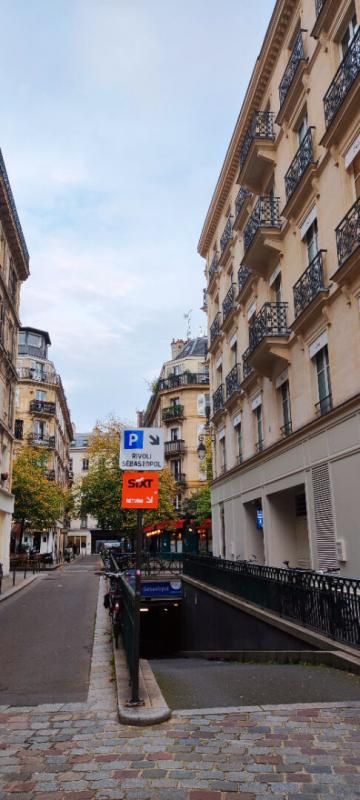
{"x":80,"y":440}
{"x":194,"y":347}
{"x":37,"y":330}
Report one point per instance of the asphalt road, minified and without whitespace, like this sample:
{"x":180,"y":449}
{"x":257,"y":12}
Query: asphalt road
{"x":197,"y":683}
{"x":46,"y":635}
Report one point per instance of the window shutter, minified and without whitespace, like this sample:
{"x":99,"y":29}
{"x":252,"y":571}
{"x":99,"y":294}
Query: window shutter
{"x":201,"y":405}
{"x":324,"y":518}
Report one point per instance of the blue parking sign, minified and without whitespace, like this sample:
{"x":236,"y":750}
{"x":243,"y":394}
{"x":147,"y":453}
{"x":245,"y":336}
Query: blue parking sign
{"x":133,"y":440}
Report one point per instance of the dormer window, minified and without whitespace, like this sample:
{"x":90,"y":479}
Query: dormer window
{"x":34,"y":340}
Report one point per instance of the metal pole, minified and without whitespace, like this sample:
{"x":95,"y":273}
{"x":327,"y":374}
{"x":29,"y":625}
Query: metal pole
{"x":135,"y":699}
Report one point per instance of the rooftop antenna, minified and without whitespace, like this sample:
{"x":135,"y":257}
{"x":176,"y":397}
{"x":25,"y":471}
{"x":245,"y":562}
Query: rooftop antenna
{"x":187,"y":316}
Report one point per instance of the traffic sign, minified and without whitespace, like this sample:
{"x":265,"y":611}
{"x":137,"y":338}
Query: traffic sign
{"x":140,"y":491}
{"x":142,"y":449}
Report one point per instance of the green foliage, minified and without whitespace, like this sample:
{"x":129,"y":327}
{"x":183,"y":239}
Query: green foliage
{"x":37,"y":500}
{"x":199,"y":504}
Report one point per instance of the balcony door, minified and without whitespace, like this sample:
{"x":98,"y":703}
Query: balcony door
{"x":349,"y":34}
{"x":39,"y":430}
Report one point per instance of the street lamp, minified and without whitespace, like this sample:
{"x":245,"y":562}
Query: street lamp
{"x":201,"y":450}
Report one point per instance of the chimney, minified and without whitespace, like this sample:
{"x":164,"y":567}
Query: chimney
{"x":140,"y":419}
{"x":177,"y":346}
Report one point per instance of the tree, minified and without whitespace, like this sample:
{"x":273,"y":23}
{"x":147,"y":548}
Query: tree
{"x":198,"y":506}
{"x":39,"y":503}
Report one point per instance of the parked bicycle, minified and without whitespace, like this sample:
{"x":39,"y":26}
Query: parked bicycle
{"x":113,"y":601}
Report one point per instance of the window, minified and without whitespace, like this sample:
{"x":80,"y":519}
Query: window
{"x":302,"y":129}
{"x":276,"y":288}
{"x":85,"y":464}
{"x":349,"y":34}
{"x":38,"y":371}
{"x":323,"y":380}
{"x":222,"y":448}
{"x":174,"y":434}
{"x":286,"y":410}
{"x":174,"y":401}
{"x":22,"y":337}
{"x":238,"y":432}
{"x":222,"y":532}
{"x":19,"y":428}
{"x":83,"y":522}
{"x":40,"y":395}
{"x":39,"y":429}
{"x":176,"y":469}
{"x":12,"y":283}
{"x":34,"y":340}
{"x":70,"y":464}
{"x":259,"y":428}
{"x":312,"y":241}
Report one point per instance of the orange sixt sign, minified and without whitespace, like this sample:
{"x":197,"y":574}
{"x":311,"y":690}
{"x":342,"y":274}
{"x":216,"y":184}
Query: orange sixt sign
{"x":140,"y":490}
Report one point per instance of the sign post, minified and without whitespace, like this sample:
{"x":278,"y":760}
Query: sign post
{"x":141,"y":450}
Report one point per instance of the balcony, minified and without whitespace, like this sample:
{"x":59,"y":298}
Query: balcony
{"x":309,"y":292}
{"x":268,"y":338}
{"x":180,"y":478}
{"x":41,"y":407}
{"x":37,"y":440}
{"x":172,"y":413}
{"x":324,"y":405}
{"x":229,"y":306}
{"x":213,"y":272}
{"x":262,"y":236}
{"x":215,"y":330}
{"x":248,"y":370}
{"x":204,"y":306}
{"x":38,"y":375}
{"x":183,"y":379}
{"x":218,"y":400}
{"x":325,"y":12}
{"x":291,"y":82}
{"x":174,"y":448}
{"x":11,"y":222}
{"x":226,"y":241}
{"x":257,"y":155}
{"x":241,"y":207}
{"x":342,"y":98}
{"x":233,"y":384}
{"x":299,"y":177}
{"x":348,"y":246}
{"x":244,"y":282}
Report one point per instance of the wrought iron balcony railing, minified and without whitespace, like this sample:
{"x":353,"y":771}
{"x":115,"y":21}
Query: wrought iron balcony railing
{"x":297,"y":55}
{"x":37,"y":440}
{"x":215,"y":328}
{"x":347,"y":73}
{"x":261,"y":127}
{"x":324,"y":405}
{"x":33,"y":374}
{"x":229,"y":302}
{"x":180,"y":478}
{"x":247,"y":368}
{"x":218,"y":399}
{"x":233,"y":381}
{"x":266,"y":214}
{"x":244,"y":274}
{"x":183,"y":379}
{"x":286,"y":429}
{"x":172,"y":412}
{"x":303,"y":157}
{"x":242,"y":196}
{"x":270,"y":321}
{"x":42,"y":407}
{"x":348,"y":233}
{"x":205,"y":300}
{"x":175,"y":447}
{"x":214,"y":266}
{"x":10,"y":196}
{"x":310,"y":283}
{"x":227,"y":234}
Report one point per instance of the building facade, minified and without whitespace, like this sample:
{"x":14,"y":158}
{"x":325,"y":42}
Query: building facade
{"x":43,"y":420}
{"x":178,"y":405}
{"x":14,"y":268}
{"x":79,"y":535}
{"x":281,"y":241}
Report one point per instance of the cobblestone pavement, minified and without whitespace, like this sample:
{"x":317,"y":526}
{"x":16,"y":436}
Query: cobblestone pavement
{"x":80,"y":751}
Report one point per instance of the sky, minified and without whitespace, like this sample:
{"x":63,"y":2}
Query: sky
{"x":115,"y":118}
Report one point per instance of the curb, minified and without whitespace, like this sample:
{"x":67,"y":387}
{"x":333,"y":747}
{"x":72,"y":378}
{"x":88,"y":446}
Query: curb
{"x":18,"y":588}
{"x":155,"y":708}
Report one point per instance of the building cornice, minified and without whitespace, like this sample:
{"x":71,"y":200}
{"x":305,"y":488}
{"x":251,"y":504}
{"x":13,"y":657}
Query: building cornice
{"x":259,"y":80}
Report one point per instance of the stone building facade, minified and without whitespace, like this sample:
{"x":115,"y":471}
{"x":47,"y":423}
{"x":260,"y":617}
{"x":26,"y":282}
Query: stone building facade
{"x":14,"y":268}
{"x":281,"y":241}
{"x":79,"y":535}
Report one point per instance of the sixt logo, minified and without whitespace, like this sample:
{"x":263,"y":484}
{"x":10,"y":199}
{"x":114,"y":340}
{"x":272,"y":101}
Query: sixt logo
{"x":140,"y":483}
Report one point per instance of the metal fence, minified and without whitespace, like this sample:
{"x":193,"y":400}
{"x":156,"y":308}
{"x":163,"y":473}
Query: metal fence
{"x":325,"y":603}
{"x":127,"y":627}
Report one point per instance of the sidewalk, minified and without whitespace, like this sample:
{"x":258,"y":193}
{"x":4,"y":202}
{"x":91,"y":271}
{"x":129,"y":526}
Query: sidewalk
{"x":80,"y":751}
{"x":8,"y":588}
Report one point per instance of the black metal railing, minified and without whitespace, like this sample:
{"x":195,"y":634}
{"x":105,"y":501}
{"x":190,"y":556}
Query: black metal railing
{"x":303,"y":157}
{"x":42,"y":407}
{"x":128,"y":620}
{"x":297,"y":55}
{"x":172,"y":412}
{"x":215,"y":328}
{"x":218,"y":399}
{"x":270,"y":321}
{"x":348,"y":233}
{"x":319,"y":4}
{"x":266,"y":214}
{"x":33,"y":374}
{"x":233,"y":381}
{"x":183,"y":379}
{"x":227,"y":234}
{"x":261,"y":127}
{"x":242,"y":196}
{"x":205,"y":299}
{"x":321,"y":602}
{"x":324,"y":405}
{"x":37,"y":440}
{"x":214,"y":267}
{"x":310,"y":284}
{"x":286,"y":429}
{"x":11,"y":201}
{"x":259,"y":445}
{"x":244,"y":274}
{"x":247,"y":369}
{"x":229,"y":302}
{"x":180,"y":478}
{"x":175,"y":448}
{"x":347,"y":73}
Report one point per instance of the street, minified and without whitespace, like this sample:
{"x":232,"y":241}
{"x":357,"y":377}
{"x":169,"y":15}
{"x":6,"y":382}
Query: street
{"x":46,"y":637}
